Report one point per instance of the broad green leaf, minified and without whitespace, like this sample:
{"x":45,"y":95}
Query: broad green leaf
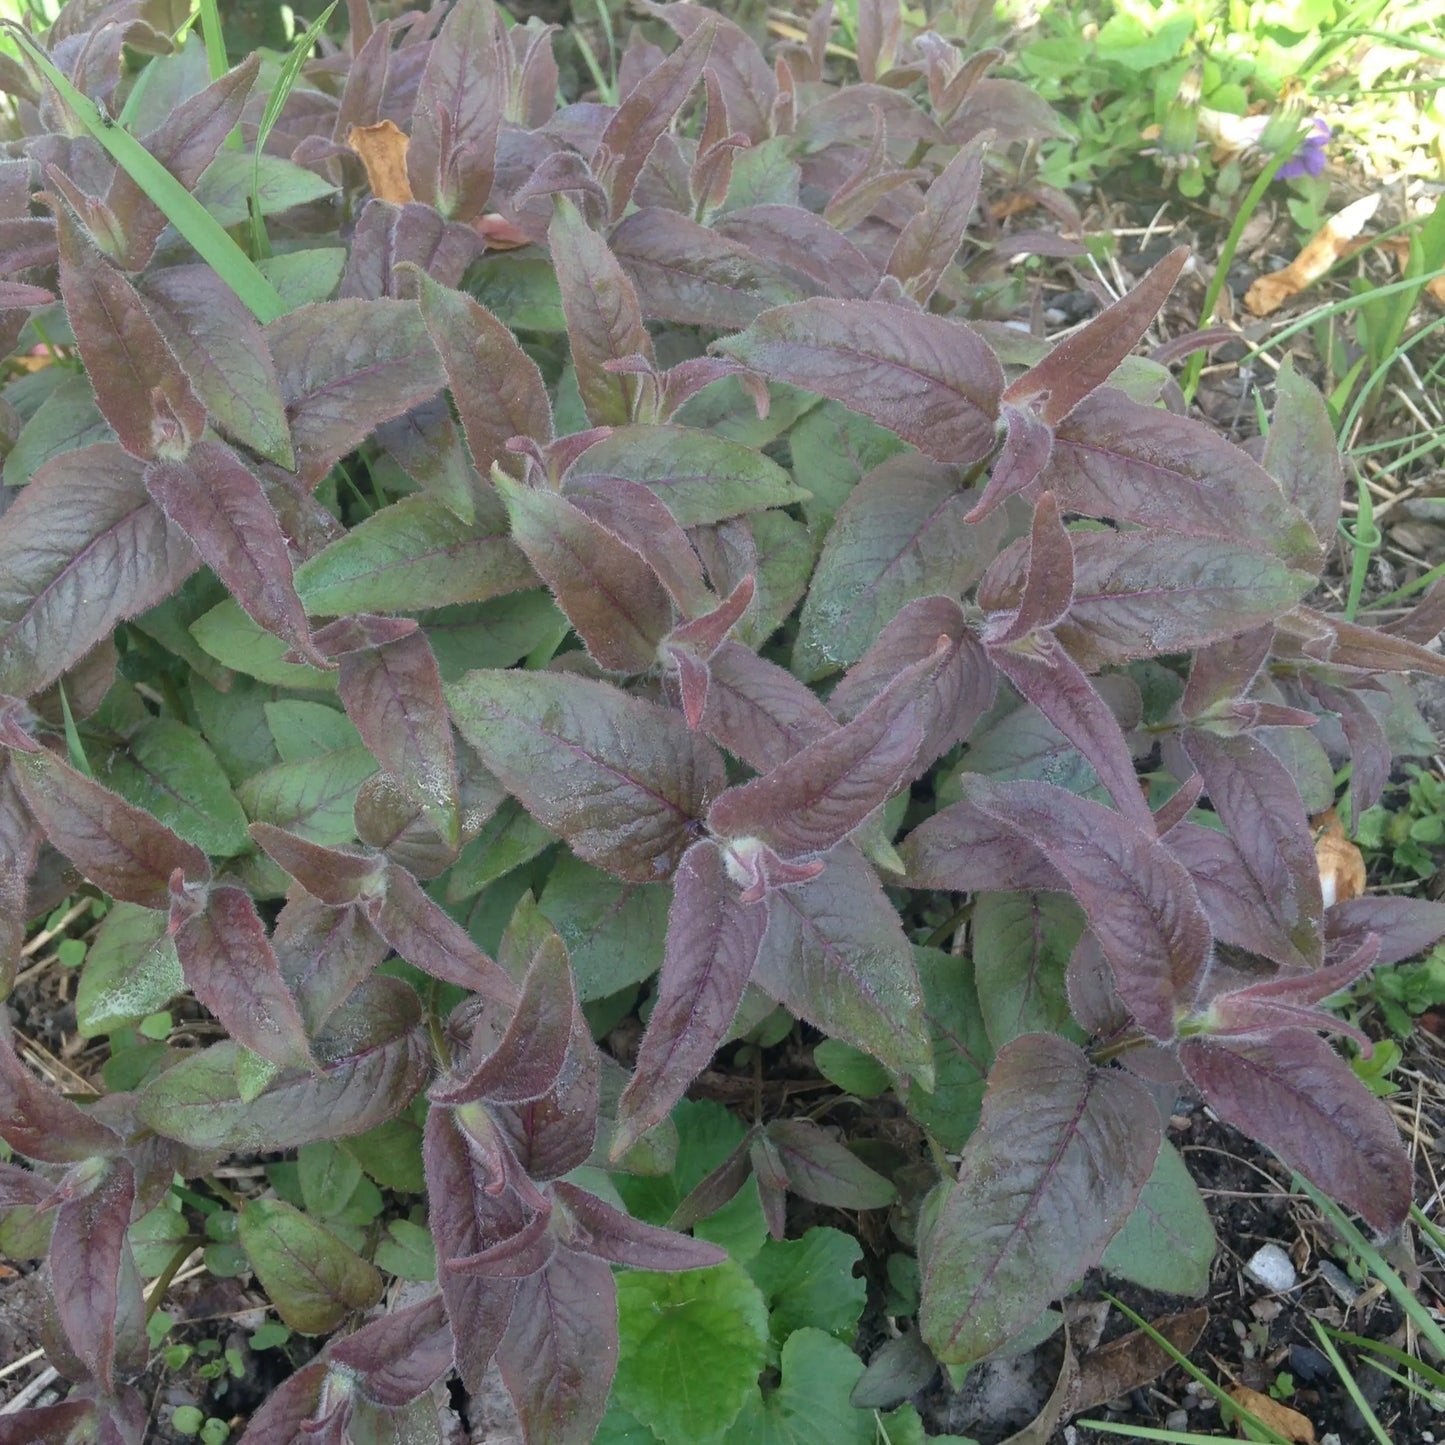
{"x":154,"y":1237}
{"x":329,"y":1176}
{"x":235,"y":640}
{"x":302,"y":278}
{"x":809,"y":1282}
{"x":313,"y":1279}
{"x":406,"y":1250}
{"x":962,"y":1054}
{"x":410,"y":556}
{"x":496,"y":633}
{"x":313,"y":798}
{"x":65,"y":421}
{"x":1168,"y":1242}
{"x":724,"y":409}
{"x":521,"y":291}
{"x":833,"y":449}
{"x":614,"y":931}
{"x":131,"y":970}
{"x":700,"y":477}
{"x":1060,"y":1159}
{"x":851,"y":1069}
{"x":225,"y":188}
{"x":167,"y":769}
{"x":810,"y":1405}
{"x":308,"y":729}
{"x":622,"y":779}
{"x":234,"y":725}
{"x":1021,"y":947}
{"x":667,"y":1325}
{"x":764,"y":175}
{"x":707,"y":1134}
{"x":391,"y":1155}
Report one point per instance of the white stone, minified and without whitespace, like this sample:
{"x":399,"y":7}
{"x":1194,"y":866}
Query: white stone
{"x":1270,"y":1266}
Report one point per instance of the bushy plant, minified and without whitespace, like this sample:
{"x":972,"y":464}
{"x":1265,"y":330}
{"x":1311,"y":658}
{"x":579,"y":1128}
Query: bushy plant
{"x":611,"y":555}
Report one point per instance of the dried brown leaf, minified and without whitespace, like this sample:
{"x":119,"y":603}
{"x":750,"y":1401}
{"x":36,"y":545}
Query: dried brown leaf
{"x":1342,"y":865}
{"x":382,"y":148}
{"x":1331,"y":243}
{"x":1280,"y":1418}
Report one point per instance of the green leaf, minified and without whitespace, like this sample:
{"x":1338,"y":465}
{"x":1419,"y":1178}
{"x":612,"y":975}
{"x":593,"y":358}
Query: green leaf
{"x":810,"y":1282}
{"x":225,"y":188}
{"x":520,"y":290}
{"x":131,"y":970}
{"x":962,"y":1053}
{"x":309,"y":729}
{"x":614,"y":931}
{"x":153,"y":1239}
{"x":1021,"y":948}
{"x":391,"y":1155}
{"x":305,"y":277}
{"x":785,"y":558}
{"x":314,"y":798}
{"x":707,"y":1134}
{"x":329,"y":1176}
{"x":496,"y":633}
{"x":234,"y":724}
{"x":851,"y":1069}
{"x":407,"y":1251}
{"x":313,"y":1279}
{"x":232,"y":638}
{"x":413,"y":555}
{"x":168,"y":770}
{"x":668,"y":1326}
{"x":67,"y":419}
{"x":740,"y":1226}
{"x":810,"y":1405}
{"x":1168,"y":1242}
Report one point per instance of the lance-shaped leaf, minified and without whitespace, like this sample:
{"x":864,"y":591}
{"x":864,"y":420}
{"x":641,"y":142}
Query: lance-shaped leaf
{"x":1140,"y":901}
{"x":458,"y":112}
{"x":609,"y":593}
{"x":518,"y":1255}
{"x":552,"y":1135}
{"x":82,"y":548}
{"x":1060,"y":1160}
{"x":1289,"y":1090}
{"x":118,"y":847}
{"x":928,"y":378}
{"x":1021,"y":947}
{"x":219,"y":503}
{"x":393,"y":693}
{"x":526,"y":1063}
{"x":1225,"y":671}
{"x":1081,"y":363}
{"x":1027,"y":446}
{"x":219,"y":343}
{"x":926,"y":246}
{"x":819,"y":1168}
{"x":1403,"y":927}
{"x":965,"y":848}
{"x":313,"y":1279}
{"x":139,"y":384}
{"x":900,"y":535}
{"x":1291,"y":999}
{"x":690,"y":645}
{"x":835,"y":954}
{"x":231,"y":968}
{"x":373,"y":1059}
{"x":89,"y":1256}
{"x":497,"y":387}
{"x":592,"y":1226}
{"x":1300,"y":452}
{"x":299,"y":1409}
{"x":1113,"y":457}
{"x":645,"y":114}
{"x":604,"y":321}
{"x":816,"y":798}
{"x":803,"y":247}
{"x":712,"y":943}
{"x":1258,"y":802}
{"x":326,"y":954}
{"x":621,"y":779}
{"x":336,"y":876}
{"x":345,"y":367}
{"x":760,"y":711}
{"x":47,"y":1425}
{"x":402,"y":1354}
{"x":744,"y":76}
{"x":41,"y":1124}
{"x":1048,"y":586}
{"x":1370,"y":751}
{"x":559,"y":1353}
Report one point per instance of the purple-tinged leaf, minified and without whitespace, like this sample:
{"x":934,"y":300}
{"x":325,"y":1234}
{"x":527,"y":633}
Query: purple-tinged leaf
{"x":391,"y":243}
{"x":552,"y":1135}
{"x":467,"y":1216}
{"x":41,"y":1124}
{"x":1404,"y":927}
{"x":604,"y":321}
{"x":49,"y":1424}
{"x":880,"y":26}
{"x":373,"y":1059}
{"x":1424,"y":622}
{"x":393,"y":693}
{"x":432,"y":940}
{"x":845,"y":116}
{"x":760,"y":711}
{"x":220,"y":505}
{"x":1114,"y":458}
{"x":964,"y":848}
{"x":427,"y":445}
{"x":231,"y":968}
{"x":120,"y":848}
{"x":689,"y":274}
{"x":1048,"y":586}
{"x":1260,"y":806}
{"x":559,"y":1353}
{"x":526,"y":1063}
{"x":344,"y":367}
{"x":81,"y":548}
{"x":515,"y":1257}
{"x":139,"y":384}
{"x":88,"y":1253}
{"x":1225,"y":671}
{"x":712,"y":944}
{"x":743,"y":75}
{"x":1049,"y":678}
{"x":803,"y":247}
{"x":16,"y":295}
{"x":1290,"y":1000}
{"x":870,"y":182}
{"x":835,"y":954}
{"x":716,"y":1187}
{"x":1301,"y":455}
{"x":401,"y":1355}
{"x":458,"y":112}
{"x":926,"y":246}
{"x":325,"y":955}
{"x":772,"y":1181}
{"x":1347,"y":644}
{"x":1061,"y":1157}
{"x":703,"y":635}
{"x":822,"y":1170}
{"x":645,"y":114}
{"x":1139,"y":899}
{"x":928,"y":378}
{"x":20,"y":1187}
{"x":1022,"y":943}
{"x":815,"y":799}
{"x":497,"y":388}
{"x":621,"y":779}
{"x":221,"y":347}
{"x":1289,"y":1090}
{"x":595,"y":1227}
{"x":902,"y":534}
{"x":1081,"y":363}
{"x":1027,"y":446}
{"x":1370,"y":751}
{"x":299,"y":1412}
{"x":610,"y":594}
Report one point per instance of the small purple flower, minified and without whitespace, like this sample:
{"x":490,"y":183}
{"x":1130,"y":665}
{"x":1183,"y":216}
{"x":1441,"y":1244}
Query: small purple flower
{"x":1309,"y":158}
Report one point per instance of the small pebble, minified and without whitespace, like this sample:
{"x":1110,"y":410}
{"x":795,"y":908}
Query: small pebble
{"x":1339,"y":1281}
{"x":1271,"y":1266}
{"x":1177,"y":1420}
